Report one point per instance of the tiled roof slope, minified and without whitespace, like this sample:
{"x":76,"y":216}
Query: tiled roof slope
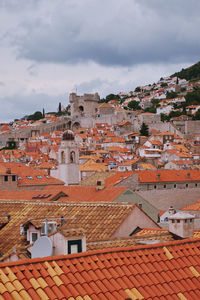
{"x":54,"y":195}
{"x":162,"y":271}
{"x":194,"y":206}
{"x":27,"y":175}
{"x":168,"y":176}
{"x":87,"y":193}
{"x":99,"y":220}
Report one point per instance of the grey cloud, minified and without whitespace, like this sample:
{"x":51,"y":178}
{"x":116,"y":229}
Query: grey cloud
{"x":17,"y":106}
{"x":14,"y":5}
{"x":104,"y":86}
{"x":32,"y":70}
{"x":2,"y":83}
{"x":123,"y":32}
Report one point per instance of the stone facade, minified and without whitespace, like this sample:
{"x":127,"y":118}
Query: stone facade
{"x":85,"y":105}
{"x":68,"y":160}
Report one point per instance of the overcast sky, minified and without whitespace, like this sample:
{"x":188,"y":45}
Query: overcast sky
{"x":49,"y":48}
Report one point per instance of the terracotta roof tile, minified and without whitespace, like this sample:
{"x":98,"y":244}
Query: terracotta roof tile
{"x":95,"y":218}
{"x":168,"y":176}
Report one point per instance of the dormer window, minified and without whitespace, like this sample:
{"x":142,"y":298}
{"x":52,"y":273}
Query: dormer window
{"x":39,"y":177}
{"x":74,"y":246}
{"x":19,"y":178}
{"x":29,"y":177}
{"x":33,"y":237}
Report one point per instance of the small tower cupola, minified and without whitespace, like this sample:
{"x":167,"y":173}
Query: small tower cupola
{"x":182,"y":225}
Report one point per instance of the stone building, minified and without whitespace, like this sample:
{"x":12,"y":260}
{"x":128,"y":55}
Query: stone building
{"x":163,"y":180}
{"x":83,"y":106}
{"x":68,"y":159}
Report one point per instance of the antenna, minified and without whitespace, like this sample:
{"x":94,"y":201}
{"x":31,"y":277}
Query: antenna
{"x":42,"y":247}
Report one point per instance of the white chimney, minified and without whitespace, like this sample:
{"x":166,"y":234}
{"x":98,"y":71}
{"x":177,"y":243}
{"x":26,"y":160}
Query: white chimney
{"x":182,"y":225}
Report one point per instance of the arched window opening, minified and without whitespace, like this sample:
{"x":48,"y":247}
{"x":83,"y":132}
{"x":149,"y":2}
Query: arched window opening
{"x":62,"y":157}
{"x":72,"y":157}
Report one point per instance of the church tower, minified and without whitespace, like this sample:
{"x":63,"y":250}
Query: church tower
{"x":68,"y":159}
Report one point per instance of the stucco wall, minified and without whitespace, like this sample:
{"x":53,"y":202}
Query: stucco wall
{"x":136,"y":219}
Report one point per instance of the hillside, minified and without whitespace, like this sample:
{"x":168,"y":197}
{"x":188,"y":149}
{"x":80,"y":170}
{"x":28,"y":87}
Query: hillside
{"x":190,"y":73}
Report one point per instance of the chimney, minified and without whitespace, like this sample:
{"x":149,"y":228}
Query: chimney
{"x":62,"y":221}
{"x":8,"y":171}
{"x":99,"y":185}
{"x":171,"y":210}
{"x":182,"y":225}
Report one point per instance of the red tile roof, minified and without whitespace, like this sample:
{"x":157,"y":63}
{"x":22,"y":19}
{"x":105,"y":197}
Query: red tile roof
{"x":163,"y":271}
{"x":118,"y":177}
{"x":29,"y":176}
{"x":88,"y":193}
{"x":168,"y":176}
{"x":193,"y":207}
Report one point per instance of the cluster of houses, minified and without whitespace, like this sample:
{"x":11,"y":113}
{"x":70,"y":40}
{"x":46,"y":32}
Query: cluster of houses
{"x":101,"y":212}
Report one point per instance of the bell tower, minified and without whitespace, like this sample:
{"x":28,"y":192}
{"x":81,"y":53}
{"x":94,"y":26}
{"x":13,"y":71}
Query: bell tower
{"x":68,"y":159}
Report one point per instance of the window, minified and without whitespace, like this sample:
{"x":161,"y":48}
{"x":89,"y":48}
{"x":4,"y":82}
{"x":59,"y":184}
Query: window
{"x":6,"y":178}
{"x":72,"y":157}
{"x":178,"y":221}
{"x":13,"y":178}
{"x":155,"y":186}
{"x":29,"y":177}
{"x":186,"y":185}
{"x":173,"y":221}
{"x":62,"y":157}
{"x":39,"y":177}
{"x":74,"y":246}
{"x":164,"y":186}
{"x":174,"y":185}
{"x":140,"y":205}
{"x":33,"y":237}
{"x":185,"y":221}
{"x":190,"y":220}
{"x":196,"y":184}
{"x":19,"y":178}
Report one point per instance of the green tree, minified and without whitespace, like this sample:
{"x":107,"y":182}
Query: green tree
{"x":144,"y":130}
{"x":138,"y":89}
{"x":36,"y":116}
{"x":197,"y":115}
{"x":193,"y":72}
{"x":59,"y":107}
{"x":171,"y":95}
{"x":112,"y":97}
{"x":193,"y":97}
{"x":164,"y":84}
{"x":150,"y":109}
{"x":134,"y":105}
{"x":155,"y":102}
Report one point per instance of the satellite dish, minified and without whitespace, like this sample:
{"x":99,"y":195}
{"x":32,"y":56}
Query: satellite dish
{"x":42,"y":247}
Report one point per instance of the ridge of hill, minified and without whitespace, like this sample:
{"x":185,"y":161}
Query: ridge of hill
{"x":190,"y":73}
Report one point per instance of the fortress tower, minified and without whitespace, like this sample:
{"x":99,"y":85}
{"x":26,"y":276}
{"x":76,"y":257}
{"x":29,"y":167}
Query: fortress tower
{"x":83,"y":106}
